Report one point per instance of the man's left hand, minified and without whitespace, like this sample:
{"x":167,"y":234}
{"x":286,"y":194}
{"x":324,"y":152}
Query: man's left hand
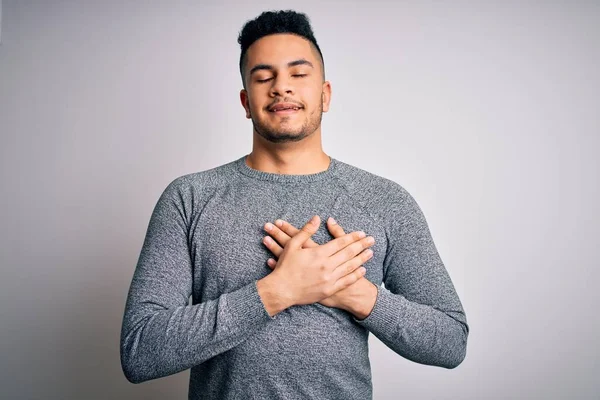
{"x":358,"y":298}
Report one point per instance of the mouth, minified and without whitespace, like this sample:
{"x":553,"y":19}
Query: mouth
{"x":285,"y":108}
{"x":285,"y":111}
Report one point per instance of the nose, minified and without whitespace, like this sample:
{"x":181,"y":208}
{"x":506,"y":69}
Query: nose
{"x":281,"y":86}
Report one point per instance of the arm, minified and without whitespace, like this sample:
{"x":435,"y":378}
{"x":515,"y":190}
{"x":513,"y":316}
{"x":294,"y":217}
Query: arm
{"x":161,"y":334}
{"x":418,"y":314}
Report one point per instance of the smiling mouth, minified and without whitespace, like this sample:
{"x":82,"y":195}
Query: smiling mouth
{"x":285,"y":111}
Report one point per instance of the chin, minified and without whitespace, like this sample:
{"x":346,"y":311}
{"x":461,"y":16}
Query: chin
{"x":283,"y":137}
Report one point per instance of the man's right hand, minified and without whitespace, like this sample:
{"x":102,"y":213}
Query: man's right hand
{"x":308,"y":275}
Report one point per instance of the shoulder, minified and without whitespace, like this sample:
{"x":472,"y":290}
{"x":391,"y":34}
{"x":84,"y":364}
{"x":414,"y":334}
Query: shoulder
{"x":374,"y":191}
{"x":190,"y":192}
{"x":202,"y":181}
{"x":389,"y":201}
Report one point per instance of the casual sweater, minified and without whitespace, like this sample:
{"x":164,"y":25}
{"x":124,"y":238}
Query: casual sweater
{"x":204,"y":240}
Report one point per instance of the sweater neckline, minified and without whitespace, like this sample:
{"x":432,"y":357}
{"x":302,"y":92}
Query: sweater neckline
{"x":243,"y":168}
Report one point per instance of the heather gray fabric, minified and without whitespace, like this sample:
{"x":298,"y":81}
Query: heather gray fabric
{"x":204,"y":239}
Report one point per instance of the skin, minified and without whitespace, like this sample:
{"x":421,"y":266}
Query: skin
{"x":287,"y":68}
{"x":285,"y":144}
{"x":358,"y":298}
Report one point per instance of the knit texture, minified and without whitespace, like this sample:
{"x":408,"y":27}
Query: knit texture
{"x":204,"y":240}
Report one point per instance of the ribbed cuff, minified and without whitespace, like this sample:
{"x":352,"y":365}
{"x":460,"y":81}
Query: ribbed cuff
{"x":246,"y":306}
{"x":262,"y":305}
{"x":385,"y":313}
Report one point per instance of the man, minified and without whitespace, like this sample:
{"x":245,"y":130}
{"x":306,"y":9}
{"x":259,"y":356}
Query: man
{"x":282,"y":307}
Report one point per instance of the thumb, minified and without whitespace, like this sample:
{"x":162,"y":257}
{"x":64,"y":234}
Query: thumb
{"x":305,"y":233}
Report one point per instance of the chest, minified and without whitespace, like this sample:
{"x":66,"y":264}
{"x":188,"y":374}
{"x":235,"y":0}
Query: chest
{"x":226,"y":238}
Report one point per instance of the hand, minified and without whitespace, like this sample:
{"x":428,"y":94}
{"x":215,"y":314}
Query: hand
{"x":357,"y":298}
{"x":311,"y":273}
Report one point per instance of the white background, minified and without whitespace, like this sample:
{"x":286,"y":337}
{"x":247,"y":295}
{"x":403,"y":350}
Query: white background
{"x":486,"y":112}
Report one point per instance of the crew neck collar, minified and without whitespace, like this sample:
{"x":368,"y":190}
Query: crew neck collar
{"x":243,"y":168}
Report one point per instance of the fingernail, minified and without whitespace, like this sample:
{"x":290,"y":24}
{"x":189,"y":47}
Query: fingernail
{"x":269,"y":226}
{"x":267,"y":239}
{"x":332,"y":221}
{"x":361,"y":234}
{"x":314,"y":220}
{"x":279,"y":223}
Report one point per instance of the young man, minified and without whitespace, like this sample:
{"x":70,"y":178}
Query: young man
{"x":282,"y":308}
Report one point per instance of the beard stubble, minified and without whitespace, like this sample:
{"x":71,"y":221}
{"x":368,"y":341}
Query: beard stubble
{"x":285,"y":135}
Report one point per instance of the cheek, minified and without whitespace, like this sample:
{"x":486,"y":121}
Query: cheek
{"x":254,"y":107}
{"x":313,"y":96}
{"x":254,"y":100}
{"x":314,"y":103}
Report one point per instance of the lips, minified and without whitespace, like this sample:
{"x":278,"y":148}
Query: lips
{"x":285,"y":107}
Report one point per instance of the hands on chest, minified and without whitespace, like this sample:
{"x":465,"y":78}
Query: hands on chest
{"x":330,"y":274}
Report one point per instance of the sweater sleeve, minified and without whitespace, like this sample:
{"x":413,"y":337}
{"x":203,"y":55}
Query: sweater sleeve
{"x":161,"y":333}
{"x":418,"y":313}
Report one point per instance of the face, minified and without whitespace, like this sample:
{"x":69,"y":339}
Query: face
{"x":285,"y":95}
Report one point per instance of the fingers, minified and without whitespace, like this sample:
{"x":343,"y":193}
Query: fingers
{"x":291,"y":231}
{"x":349,"y":279}
{"x":352,"y":264}
{"x":305,"y":233}
{"x":283,"y":231}
{"x":341,"y":242}
{"x":344,"y":247}
{"x":335,"y":229}
{"x":350,"y":251}
{"x":272,"y":246}
{"x":281,"y":237}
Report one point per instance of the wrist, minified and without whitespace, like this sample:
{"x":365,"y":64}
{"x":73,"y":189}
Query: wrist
{"x":361,"y":306}
{"x":273,"y":294}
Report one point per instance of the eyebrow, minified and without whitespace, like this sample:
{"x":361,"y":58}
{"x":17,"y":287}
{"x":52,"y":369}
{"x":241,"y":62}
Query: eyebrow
{"x":301,"y":61}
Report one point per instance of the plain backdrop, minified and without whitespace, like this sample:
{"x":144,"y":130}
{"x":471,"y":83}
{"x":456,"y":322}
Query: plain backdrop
{"x":486,"y":112}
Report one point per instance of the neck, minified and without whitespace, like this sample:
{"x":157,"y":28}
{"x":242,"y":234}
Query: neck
{"x":292,"y":158}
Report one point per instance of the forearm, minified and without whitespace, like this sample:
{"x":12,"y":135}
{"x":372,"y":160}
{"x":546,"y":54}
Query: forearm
{"x":272,"y":296}
{"x":360,"y":299}
{"x":158,"y":341}
{"x":418,"y":332}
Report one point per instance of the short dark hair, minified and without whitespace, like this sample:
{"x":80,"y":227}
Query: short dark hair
{"x":272,"y":22}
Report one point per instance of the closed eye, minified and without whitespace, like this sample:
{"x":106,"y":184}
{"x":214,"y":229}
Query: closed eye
{"x":268,"y":79}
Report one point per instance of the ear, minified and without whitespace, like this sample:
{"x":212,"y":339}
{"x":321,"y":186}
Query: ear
{"x":326,"y":96}
{"x":245,"y":102}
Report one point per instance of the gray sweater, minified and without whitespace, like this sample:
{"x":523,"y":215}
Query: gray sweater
{"x":204,"y":240}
